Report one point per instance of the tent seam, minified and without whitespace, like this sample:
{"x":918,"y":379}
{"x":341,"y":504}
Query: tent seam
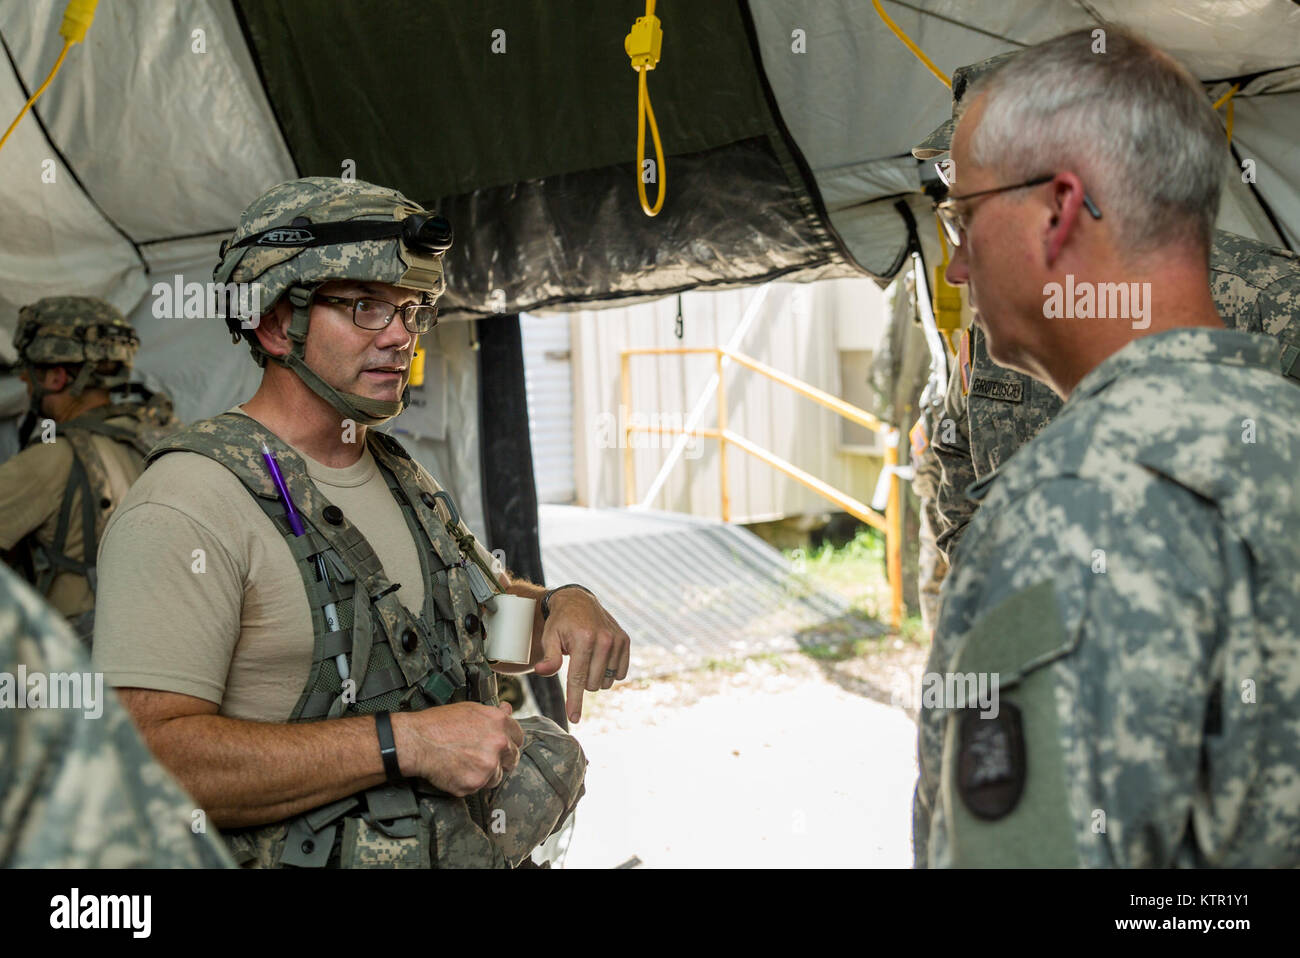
{"x":67,"y":166}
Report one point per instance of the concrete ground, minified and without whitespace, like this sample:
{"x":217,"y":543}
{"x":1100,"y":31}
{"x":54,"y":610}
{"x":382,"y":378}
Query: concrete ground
{"x":781,"y":762}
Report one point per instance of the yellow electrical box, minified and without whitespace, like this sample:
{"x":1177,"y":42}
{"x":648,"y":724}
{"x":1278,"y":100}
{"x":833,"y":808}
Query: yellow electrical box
{"x":645,"y":43}
{"x":417,"y":367}
{"x":947,"y":307}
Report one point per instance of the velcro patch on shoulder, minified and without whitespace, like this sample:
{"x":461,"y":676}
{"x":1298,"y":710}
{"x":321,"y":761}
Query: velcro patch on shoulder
{"x":1003,"y":389}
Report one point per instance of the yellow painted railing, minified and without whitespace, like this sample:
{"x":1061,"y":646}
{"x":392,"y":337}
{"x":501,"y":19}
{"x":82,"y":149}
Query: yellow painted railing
{"x":890,"y":524}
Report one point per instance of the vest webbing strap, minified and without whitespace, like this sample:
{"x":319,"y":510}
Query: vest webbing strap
{"x":432,"y":665}
{"x":384,"y":661}
{"x":53,"y":558}
{"x":88,"y":478}
{"x":378,"y":682}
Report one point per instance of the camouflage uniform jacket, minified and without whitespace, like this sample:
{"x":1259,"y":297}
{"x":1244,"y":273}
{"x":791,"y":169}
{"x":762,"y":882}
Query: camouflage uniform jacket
{"x":76,"y":790}
{"x":1131,"y":578}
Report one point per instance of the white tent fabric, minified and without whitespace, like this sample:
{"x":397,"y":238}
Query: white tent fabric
{"x":156,"y":149}
{"x":856,"y":100}
{"x":158,"y":132}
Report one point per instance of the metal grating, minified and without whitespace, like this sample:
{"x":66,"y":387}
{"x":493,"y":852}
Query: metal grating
{"x":686,"y":589}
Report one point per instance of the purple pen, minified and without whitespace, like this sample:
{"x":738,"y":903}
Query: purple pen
{"x":273,"y":468}
{"x":295,"y":525}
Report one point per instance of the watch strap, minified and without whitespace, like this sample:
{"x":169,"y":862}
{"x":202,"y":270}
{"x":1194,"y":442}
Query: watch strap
{"x":546,"y":599}
{"x":388,"y":746}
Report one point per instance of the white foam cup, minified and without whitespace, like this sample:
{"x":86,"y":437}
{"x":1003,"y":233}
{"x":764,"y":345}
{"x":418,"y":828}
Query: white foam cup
{"x":510,"y":630}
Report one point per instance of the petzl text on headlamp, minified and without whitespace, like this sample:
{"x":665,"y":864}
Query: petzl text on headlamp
{"x":426,"y":233}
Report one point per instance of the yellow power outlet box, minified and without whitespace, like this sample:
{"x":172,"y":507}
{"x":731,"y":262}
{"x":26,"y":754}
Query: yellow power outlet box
{"x":645,"y":43}
{"x":417,"y":367}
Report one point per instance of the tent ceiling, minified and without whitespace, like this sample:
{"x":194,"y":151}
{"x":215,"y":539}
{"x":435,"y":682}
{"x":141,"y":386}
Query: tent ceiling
{"x":157,"y":147}
{"x":858,"y":100}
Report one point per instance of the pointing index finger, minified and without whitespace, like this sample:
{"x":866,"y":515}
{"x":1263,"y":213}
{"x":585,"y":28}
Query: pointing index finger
{"x":579,"y":666}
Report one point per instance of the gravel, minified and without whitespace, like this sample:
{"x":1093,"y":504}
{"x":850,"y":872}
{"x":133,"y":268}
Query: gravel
{"x":782,"y":761}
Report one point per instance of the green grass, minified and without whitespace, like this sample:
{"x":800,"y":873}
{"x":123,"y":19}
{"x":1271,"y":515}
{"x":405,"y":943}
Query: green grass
{"x":855,"y":571}
{"x":840,"y":651}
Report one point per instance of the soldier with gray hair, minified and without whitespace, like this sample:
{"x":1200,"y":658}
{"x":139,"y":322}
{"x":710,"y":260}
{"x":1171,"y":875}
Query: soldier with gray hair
{"x":90,"y":430}
{"x":251,"y":616}
{"x":1129,"y":578}
{"x":989,"y":411}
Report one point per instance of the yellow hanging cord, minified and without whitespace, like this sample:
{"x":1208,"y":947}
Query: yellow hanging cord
{"x":1232,"y":91}
{"x":76,"y":21}
{"x":643,"y":46}
{"x":1227,"y":98}
{"x":920,"y":54}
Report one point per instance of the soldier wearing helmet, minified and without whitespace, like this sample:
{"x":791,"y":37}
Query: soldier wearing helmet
{"x":328,"y":699}
{"x":92,"y":431}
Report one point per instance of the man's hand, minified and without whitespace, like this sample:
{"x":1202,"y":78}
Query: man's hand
{"x":598,"y":649}
{"x":459,"y":748}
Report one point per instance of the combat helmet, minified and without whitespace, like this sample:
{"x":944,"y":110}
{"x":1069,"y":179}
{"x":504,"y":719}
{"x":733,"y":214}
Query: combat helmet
{"x":963,"y":78}
{"x":306,"y":232}
{"x":75,"y":330}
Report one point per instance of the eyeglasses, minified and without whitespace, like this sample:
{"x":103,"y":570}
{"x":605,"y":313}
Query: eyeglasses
{"x":371,"y":313}
{"x":954,"y":223}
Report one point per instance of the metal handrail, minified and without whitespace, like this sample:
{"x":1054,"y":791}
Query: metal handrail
{"x":890,"y":523}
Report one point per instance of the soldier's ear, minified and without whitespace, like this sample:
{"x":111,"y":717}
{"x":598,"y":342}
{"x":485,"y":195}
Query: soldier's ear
{"x":55,"y":378}
{"x":273,"y":331}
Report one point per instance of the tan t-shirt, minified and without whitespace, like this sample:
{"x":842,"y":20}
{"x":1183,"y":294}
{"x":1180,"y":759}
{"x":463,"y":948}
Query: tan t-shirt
{"x":31,"y":493}
{"x":200,"y":595}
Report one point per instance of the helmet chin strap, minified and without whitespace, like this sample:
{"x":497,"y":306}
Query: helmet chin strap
{"x":361,"y":409}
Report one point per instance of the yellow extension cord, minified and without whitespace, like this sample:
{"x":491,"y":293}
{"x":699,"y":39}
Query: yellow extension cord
{"x":76,"y":21}
{"x":946,"y":299}
{"x":643,"y":47}
{"x":1227,"y":98}
{"x":943,"y":303}
{"x":907,"y":42}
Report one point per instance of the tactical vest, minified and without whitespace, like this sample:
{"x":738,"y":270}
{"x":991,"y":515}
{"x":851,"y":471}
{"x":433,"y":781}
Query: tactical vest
{"x":396,"y":660}
{"x":149,"y":422}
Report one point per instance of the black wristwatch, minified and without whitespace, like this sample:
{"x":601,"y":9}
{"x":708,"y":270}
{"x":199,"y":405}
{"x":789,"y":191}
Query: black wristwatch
{"x":388,"y":747}
{"x":546,"y":599}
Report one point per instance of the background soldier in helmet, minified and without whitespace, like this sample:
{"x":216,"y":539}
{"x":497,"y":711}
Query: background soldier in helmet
{"x":291,"y":617}
{"x":90,"y":432}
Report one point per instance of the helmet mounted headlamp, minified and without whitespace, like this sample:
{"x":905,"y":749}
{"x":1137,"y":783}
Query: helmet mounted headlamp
{"x":427,"y":233}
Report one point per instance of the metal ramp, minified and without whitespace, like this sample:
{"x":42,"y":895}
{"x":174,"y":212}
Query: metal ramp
{"x":686,"y":589}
